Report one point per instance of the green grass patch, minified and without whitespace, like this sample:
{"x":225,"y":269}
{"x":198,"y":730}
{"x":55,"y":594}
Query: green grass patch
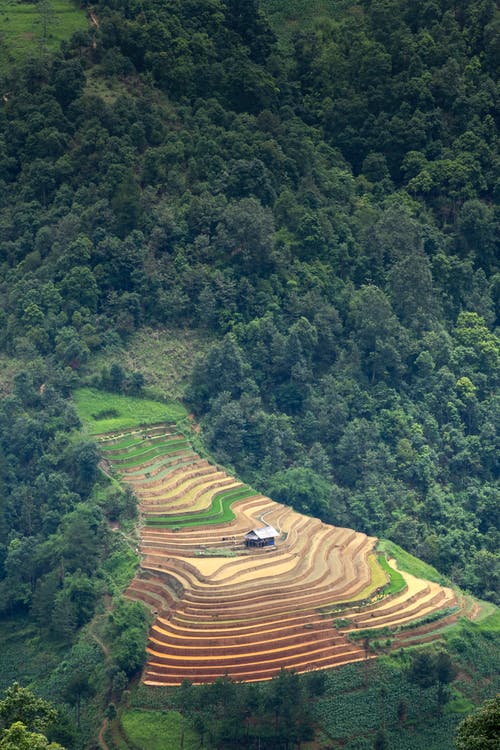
{"x":23,"y":26}
{"x":158,"y":730}
{"x":488,"y":618}
{"x":396,"y":581}
{"x":411,"y":564}
{"x":219,"y":512}
{"x":132,"y":411}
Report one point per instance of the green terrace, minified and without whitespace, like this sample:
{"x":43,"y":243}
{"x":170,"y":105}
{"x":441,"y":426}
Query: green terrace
{"x":135,"y":458}
{"x":219,"y":511}
{"x":134,"y":440}
{"x":162,"y":468}
{"x":396,"y":581}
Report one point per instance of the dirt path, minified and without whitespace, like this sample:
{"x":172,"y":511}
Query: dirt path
{"x":100,"y":736}
{"x":105,"y":649}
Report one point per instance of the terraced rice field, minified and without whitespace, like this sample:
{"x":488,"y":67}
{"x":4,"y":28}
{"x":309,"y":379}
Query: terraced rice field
{"x":224,"y":609}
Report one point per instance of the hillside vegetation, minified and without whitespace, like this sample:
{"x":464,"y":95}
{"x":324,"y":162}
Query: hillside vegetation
{"x":327,"y":215}
{"x":320,"y":209}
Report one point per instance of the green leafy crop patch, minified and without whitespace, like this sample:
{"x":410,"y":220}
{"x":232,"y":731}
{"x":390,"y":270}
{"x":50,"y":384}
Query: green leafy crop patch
{"x":396,"y":581}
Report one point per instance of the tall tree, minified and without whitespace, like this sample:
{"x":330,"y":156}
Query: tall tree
{"x":480,"y":731}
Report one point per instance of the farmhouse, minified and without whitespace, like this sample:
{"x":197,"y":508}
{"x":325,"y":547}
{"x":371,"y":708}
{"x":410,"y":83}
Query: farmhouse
{"x":263,"y":537}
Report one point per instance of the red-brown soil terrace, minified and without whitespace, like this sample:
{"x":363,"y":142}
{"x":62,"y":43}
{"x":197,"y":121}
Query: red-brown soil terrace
{"x":222,"y":609}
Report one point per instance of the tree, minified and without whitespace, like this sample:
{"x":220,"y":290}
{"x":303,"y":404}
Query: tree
{"x":380,"y":742}
{"x":422,"y":672}
{"x":401,"y":712}
{"x":70,"y":349}
{"x":303,"y":489}
{"x":129,"y":650}
{"x":377,"y":333}
{"x":19,"y":568}
{"x":69,"y":80}
{"x":83,"y":532}
{"x":21,"y":705}
{"x":78,"y":687}
{"x":119,"y":683}
{"x":47,"y":18}
{"x":445,"y":673}
{"x":479,"y":731}
{"x":287,"y":699}
{"x":128,"y":631}
{"x":79,"y":289}
{"x":412,"y":295}
{"x":116,"y":377}
{"x":17,"y":737}
{"x":126,"y":205}
{"x":245,"y":235}
{"x":85,"y":458}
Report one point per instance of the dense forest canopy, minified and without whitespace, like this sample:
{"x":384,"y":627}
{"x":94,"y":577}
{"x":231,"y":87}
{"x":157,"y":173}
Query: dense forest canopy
{"x":326,"y":211}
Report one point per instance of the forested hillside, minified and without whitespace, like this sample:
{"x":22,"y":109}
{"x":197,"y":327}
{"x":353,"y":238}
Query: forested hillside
{"x":307,"y":193}
{"x":324,"y":208}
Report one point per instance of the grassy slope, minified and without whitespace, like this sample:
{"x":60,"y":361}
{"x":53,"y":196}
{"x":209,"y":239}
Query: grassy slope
{"x":411,"y":564}
{"x":21,"y":27}
{"x":130,"y":411}
{"x":164,"y":356}
{"x":489,"y":618}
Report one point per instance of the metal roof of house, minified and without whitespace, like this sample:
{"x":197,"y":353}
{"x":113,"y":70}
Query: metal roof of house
{"x":266,"y":532}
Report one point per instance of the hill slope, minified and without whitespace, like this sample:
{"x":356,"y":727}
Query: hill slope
{"x":309,"y":601}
